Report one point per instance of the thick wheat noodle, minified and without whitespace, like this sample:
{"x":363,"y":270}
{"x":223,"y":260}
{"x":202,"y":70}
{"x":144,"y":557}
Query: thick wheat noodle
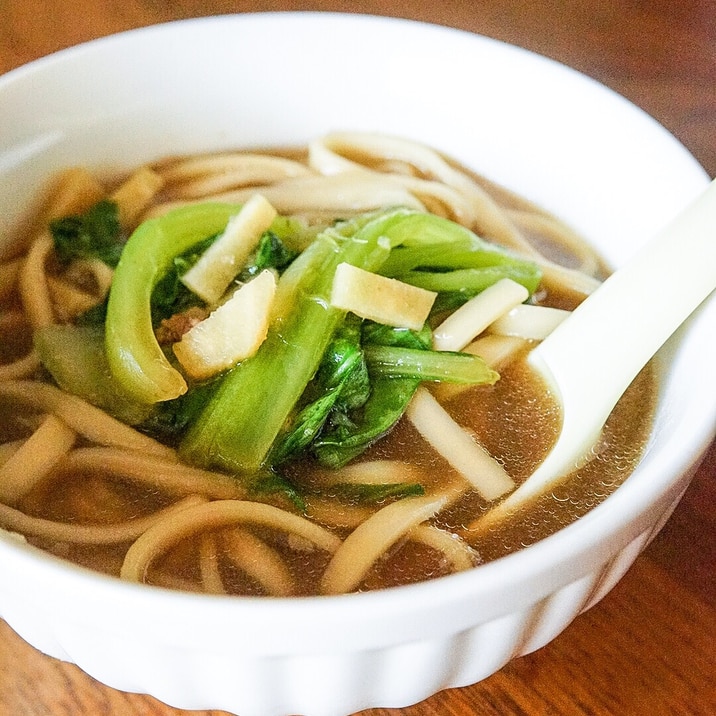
{"x":35,"y":459}
{"x":24,"y":366}
{"x":100,"y":272}
{"x":213,"y":175}
{"x":211,"y":580}
{"x":230,"y":163}
{"x":75,"y":191}
{"x":327,"y":511}
{"x":86,"y":419}
{"x":373,"y":538}
{"x":337,"y":515}
{"x":34,"y":291}
{"x":87,"y":534}
{"x":68,"y":300}
{"x":11,"y":320}
{"x":456,"y":551}
{"x":260,"y":561}
{"x":8,"y":449}
{"x":356,"y":192}
{"x":529,"y":322}
{"x":316,"y":198}
{"x":497,"y":351}
{"x":437,"y":197}
{"x":166,"y":475}
{"x":457,"y":446}
{"x":370,"y":472}
{"x":441,"y":199}
{"x":176,"y":582}
{"x":491,"y":219}
{"x":559,"y":277}
{"x":136,"y":193}
{"x":214,"y":515}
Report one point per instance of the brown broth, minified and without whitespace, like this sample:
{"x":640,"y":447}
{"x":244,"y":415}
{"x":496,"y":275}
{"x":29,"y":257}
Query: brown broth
{"x":517,"y":420}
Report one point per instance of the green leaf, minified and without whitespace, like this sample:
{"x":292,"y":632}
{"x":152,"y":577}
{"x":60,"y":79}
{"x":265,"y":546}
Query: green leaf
{"x":95,"y":234}
{"x":381,"y":335}
{"x":271,"y":482}
{"x":170,"y":296}
{"x":305,"y":426}
{"x":171,"y":418}
{"x":271,"y":253}
{"x":445,"y":366}
{"x":135,"y":357}
{"x":470,"y":281}
{"x":346,"y":440}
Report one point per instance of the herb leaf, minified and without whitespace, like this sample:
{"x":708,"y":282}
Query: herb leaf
{"x":95,"y":234}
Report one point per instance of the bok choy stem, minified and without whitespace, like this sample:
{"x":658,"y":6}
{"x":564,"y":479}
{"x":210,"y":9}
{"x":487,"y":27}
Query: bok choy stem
{"x":135,"y":358}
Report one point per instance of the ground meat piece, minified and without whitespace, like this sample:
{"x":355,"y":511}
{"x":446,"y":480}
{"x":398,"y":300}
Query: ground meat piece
{"x":170,"y":330}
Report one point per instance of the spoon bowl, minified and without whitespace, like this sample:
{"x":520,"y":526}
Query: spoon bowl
{"x":591,"y":358}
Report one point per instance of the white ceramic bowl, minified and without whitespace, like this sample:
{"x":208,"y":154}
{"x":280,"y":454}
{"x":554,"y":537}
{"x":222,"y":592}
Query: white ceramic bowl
{"x":539,"y":128}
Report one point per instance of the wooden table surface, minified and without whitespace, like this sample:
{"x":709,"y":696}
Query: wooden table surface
{"x":649,"y":646}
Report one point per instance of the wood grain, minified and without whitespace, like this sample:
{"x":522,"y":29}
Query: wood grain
{"x":648,"y":647}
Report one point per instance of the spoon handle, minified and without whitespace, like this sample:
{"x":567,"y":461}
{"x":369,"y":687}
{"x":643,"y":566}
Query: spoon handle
{"x":592,"y":357}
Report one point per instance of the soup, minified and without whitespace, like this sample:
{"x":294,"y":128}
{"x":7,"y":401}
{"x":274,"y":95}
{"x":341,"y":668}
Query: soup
{"x":333,"y":412}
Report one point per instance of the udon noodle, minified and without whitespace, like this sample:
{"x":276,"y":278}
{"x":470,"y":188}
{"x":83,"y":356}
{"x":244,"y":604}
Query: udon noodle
{"x":84,"y":483}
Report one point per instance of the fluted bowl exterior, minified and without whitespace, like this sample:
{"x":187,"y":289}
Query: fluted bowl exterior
{"x":540,"y":128}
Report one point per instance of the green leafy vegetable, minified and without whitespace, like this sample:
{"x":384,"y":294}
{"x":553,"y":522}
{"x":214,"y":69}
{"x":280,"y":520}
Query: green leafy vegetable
{"x":170,"y":419}
{"x":75,"y":357}
{"x":271,"y":383}
{"x":341,"y":383}
{"x":349,"y":433}
{"x":170,"y":296}
{"x":95,"y":234}
{"x":427,"y":365}
{"x":439,"y":255}
{"x":271,"y":253}
{"x":322,"y":382}
{"x":471,"y":281}
{"x":135,"y":358}
{"x":272,"y":482}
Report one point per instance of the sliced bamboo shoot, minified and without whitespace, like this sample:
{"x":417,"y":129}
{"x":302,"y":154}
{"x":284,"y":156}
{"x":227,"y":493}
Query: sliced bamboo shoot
{"x":211,"y":275}
{"x":231,"y":333}
{"x":380,"y":299}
